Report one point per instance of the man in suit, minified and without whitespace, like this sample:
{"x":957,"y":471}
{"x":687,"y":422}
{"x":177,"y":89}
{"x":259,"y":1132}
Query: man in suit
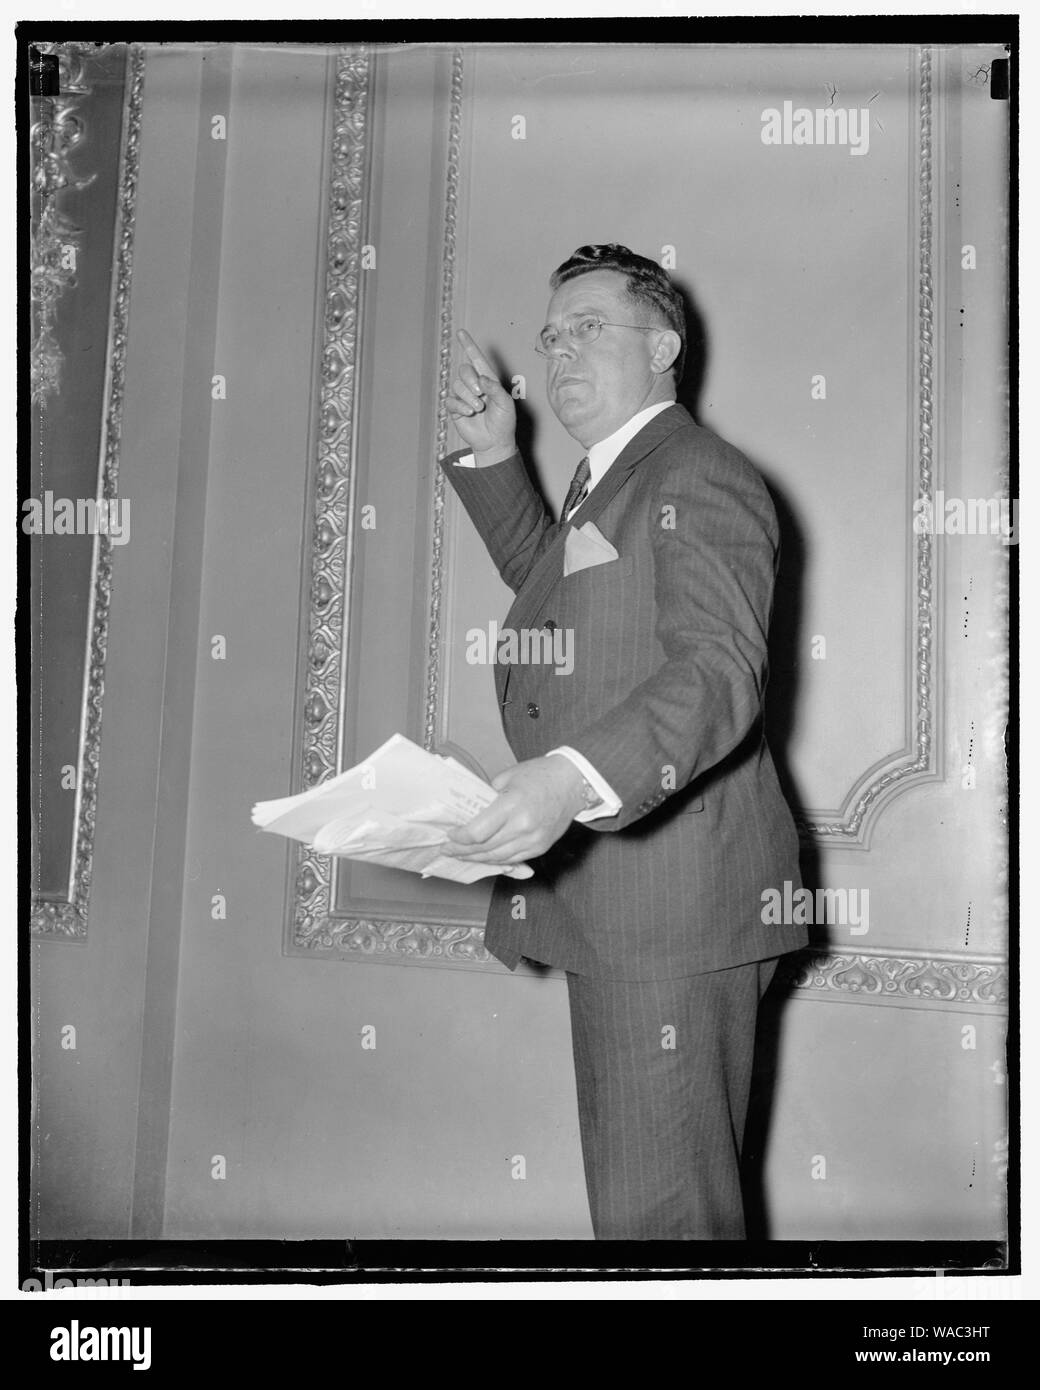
{"x":644,"y":793}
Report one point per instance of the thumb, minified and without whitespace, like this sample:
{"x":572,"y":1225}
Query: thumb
{"x":502,"y":780}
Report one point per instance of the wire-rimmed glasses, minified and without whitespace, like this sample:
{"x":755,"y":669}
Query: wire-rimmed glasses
{"x":583,"y":329}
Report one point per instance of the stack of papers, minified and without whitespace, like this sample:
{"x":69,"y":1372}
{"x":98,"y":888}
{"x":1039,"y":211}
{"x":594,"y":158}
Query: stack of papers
{"x":395,"y":808}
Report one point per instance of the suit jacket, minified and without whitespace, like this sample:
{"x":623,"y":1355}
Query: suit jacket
{"x":665,"y":700}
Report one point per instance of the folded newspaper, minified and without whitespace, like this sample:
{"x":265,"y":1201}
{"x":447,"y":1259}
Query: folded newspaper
{"x":395,"y":808}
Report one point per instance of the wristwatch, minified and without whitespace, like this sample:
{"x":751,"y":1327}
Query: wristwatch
{"x":590,"y":795}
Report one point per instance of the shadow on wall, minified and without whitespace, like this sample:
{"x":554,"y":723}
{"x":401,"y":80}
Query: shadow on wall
{"x":786,"y":641}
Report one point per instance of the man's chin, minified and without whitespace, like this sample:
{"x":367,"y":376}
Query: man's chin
{"x":570,"y":414}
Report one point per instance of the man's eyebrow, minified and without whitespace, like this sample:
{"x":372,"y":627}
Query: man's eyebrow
{"x":576,"y":313}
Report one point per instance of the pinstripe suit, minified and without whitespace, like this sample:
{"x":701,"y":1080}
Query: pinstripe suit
{"x":665,"y":701}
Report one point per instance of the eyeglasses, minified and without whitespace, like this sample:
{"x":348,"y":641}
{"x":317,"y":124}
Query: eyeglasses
{"x":582,"y":330}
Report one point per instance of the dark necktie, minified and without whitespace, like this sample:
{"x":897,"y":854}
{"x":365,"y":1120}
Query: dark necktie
{"x":578,"y":488}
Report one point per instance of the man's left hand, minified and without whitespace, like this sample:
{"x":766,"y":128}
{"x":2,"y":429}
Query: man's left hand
{"x":537,"y":801}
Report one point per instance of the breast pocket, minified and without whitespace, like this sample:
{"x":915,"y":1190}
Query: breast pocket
{"x":608,"y":570}
{"x":602,"y":604}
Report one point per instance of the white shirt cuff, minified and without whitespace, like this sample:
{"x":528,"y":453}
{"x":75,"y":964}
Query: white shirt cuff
{"x":466,"y":461}
{"x":610,"y":803}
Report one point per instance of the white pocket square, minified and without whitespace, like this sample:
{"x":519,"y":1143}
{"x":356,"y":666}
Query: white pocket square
{"x":584,"y":547}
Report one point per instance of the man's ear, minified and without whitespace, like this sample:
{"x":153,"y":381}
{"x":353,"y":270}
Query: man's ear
{"x":666,"y":351}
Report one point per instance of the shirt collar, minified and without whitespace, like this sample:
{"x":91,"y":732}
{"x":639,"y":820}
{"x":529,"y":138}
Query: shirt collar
{"x":603,"y":454}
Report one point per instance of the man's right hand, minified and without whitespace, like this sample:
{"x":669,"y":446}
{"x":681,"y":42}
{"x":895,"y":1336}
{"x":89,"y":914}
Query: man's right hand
{"x":483,"y":411}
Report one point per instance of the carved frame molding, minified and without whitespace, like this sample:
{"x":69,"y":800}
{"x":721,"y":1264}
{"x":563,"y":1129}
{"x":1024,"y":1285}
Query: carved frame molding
{"x":66,"y":919}
{"x":971,"y":984}
{"x":850,"y":826}
{"x":312,"y":926}
{"x":919,"y":979}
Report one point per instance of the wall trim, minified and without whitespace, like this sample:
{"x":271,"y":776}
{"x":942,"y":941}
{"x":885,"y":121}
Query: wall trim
{"x":913,"y":979}
{"x":445,"y":352}
{"x":332,"y":524}
{"x":66,"y":919}
{"x":851,"y":825}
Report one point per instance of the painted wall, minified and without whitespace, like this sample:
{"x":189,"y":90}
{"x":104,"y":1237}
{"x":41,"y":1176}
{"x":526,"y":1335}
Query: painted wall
{"x":208,"y":1039}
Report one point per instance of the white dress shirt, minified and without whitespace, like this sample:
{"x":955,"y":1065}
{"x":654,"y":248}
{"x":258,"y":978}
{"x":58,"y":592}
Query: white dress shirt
{"x":603,"y":454}
{"x":600,"y":457}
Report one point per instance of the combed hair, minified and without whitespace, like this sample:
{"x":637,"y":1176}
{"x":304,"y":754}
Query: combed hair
{"x":647,"y":284}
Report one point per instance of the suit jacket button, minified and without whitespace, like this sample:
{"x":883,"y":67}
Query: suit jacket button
{"x":532,"y":709}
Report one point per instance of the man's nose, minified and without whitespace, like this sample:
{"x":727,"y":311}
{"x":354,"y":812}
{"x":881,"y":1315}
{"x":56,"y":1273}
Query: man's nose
{"x":565,"y":347}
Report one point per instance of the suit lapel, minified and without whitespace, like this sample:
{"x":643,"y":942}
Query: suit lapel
{"x":549,"y":569}
{"x":619,"y":472}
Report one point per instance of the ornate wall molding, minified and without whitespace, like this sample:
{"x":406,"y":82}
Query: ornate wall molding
{"x":397,"y":942}
{"x":445,"y":349}
{"x":67,"y":919}
{"x":314,"y":928}
{"x":332,"y":522}
{"x":850,"y":825}
{"x":969,"y":984}
{"x":973,"y":984}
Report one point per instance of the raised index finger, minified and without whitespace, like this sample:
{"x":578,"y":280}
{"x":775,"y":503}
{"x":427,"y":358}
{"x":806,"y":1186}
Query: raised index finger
{"x":474,"y":354}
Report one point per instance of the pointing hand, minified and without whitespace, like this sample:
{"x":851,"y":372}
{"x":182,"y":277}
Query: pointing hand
{"x":483,"y":411}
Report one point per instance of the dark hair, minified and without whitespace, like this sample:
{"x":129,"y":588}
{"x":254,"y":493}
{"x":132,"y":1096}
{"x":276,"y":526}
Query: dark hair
{"x":646,"y":282}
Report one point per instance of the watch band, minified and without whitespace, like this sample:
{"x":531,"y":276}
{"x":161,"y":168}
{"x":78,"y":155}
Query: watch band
{"x":590,"y":794}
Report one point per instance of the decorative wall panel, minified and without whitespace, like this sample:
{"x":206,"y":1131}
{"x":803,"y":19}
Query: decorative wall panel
{"x":343,"y":912}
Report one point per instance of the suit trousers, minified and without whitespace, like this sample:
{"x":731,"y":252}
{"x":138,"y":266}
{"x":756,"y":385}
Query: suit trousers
{"x":663,"y":1071}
